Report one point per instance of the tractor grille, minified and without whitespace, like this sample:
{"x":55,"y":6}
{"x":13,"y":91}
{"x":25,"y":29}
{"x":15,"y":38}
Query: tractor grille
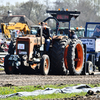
{"x":23,"y":48}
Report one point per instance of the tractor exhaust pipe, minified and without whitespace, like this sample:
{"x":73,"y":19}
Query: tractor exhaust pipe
{"x":41,"y":31}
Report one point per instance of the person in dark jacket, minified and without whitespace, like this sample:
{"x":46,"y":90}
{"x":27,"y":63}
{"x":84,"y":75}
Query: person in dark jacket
{"x":47,"y":38}
{"x":72,"y":35}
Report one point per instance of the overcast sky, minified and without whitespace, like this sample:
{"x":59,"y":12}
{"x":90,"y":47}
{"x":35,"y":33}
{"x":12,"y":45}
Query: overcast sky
{"x":11,"y":1}
{"x":3,"y":2}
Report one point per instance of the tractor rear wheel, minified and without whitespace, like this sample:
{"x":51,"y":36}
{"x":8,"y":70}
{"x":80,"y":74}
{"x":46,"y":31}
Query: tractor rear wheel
{"x":59,"y":56}
{"x":75,"y":57}
{"x":8,"y":68}
{"x":45,"y":65}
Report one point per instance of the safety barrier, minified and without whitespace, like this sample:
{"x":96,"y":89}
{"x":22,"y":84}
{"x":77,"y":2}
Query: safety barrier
{"x":3,"y":54}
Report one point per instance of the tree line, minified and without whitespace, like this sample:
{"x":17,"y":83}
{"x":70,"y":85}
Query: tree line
{"x":36,"y":11}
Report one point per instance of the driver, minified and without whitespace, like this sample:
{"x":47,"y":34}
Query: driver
{"x":47,"y":37}
{"x":97,"y":31}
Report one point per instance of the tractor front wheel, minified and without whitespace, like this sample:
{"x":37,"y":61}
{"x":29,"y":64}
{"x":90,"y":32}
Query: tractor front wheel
{"x":45,"y":65}
{"x":8,"y":68}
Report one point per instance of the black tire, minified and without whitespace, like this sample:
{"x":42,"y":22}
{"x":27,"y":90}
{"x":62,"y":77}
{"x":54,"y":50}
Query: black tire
{"x":99,"y":64}
{"x":75,"y":57}
{"x":59,"y":56}
{"x":45,"y":65}
{"x":90,"y":68}
{"x":9,"y":69}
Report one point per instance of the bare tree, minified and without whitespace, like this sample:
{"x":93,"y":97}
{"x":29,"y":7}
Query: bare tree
{"x":88,"y":13}
{"x":66,"y":4}
{"x":33,"y":10}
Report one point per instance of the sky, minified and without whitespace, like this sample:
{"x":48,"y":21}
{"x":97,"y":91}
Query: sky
{"x":3,"y":2}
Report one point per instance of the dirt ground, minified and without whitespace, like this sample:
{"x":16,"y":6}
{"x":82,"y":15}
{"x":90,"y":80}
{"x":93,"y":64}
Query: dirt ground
{"x":23,"y":80}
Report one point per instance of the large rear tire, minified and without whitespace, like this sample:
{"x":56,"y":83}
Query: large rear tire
{"x":75,"y":57}
{"x":59,"y":56}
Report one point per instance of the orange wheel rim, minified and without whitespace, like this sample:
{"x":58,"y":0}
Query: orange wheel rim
{"x":46,"y":65}
{"x":79,"y":59}
{"x":65,"y":56}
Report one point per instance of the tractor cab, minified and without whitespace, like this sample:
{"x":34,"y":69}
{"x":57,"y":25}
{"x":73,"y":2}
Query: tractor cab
{"x":36,"y":29}
{"x":79,"y":31}
{"x":92,"y":29}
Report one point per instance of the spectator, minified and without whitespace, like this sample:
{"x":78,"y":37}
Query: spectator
{"x":17,"y":33}
{"x":4,"y":46}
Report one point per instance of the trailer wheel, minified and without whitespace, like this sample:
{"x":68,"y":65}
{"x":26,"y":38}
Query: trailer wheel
{"x":75,"y":57}
{"x":59,"y":56}
{"x":89,"y":66}
{"x":45,"y":65}
{"x":9,"y":69}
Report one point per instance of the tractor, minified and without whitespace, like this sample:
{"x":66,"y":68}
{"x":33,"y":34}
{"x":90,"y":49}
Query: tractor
{"x":64,"y":58}
{"x":27,"y":54}
{"x":91,"y":42}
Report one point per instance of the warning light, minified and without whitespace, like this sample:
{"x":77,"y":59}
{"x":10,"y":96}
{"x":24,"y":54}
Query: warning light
{"x":77,"y":28}
{"x":45,"y":23}
{"x":59,"y":9}
{"x":66,"y":9}
{"x":45,"y":28}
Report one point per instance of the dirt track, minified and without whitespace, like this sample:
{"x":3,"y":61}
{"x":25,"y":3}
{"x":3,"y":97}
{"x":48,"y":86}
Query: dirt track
{"x":22,"y":80}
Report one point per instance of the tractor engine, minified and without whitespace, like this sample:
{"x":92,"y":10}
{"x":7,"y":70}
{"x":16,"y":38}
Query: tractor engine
{"x":28,"y":49}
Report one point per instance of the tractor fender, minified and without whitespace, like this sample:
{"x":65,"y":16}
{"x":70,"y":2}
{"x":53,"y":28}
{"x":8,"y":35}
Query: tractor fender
{"x":59,"y":37}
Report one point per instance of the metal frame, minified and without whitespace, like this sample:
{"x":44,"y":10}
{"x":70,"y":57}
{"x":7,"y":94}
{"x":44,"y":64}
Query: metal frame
{"x":70,"y":14}
{"x":87,"y":25}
